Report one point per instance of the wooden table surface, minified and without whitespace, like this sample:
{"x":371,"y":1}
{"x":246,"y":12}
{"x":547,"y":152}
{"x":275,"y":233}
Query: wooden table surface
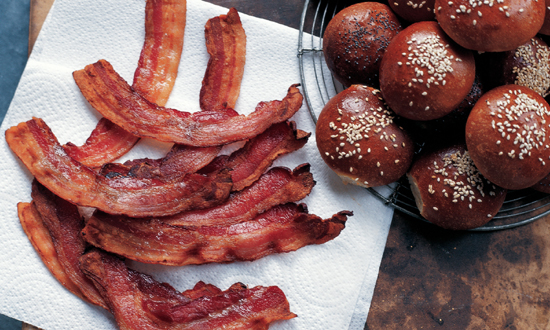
{"x":431,"y":278}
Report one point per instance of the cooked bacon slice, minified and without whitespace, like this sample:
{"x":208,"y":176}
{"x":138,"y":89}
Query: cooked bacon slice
{"x":106,"y":143}
{"x":108,"y":93}
{"x":177,"y":163}
{"x":226,"y":44}
{"x":40,"y":238}
{"x":138,"y":302}
{"x":157,"y":69}
{"x":277,"y":186}
{"x":249,"y":162}
{"x":282,"y":228}
{"x":37,"y":147}
{"x":154,"y":78}
{"x":64,"y":223}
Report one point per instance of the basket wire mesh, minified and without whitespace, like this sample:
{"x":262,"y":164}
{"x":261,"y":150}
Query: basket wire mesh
{"x":520,"y":207}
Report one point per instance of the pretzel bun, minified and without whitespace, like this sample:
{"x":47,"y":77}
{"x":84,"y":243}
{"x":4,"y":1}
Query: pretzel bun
{"x":413,"y":10}
{"x":508,"y":137}
{"x":490,"y":26}
{"x":358,"y":139}
{"x":355,"y":40}
{"x":543,"y":185}
{"x":450,"y":192}
{"x":545,"y":29}
{"x":528,"y":65}
{"x":424,"y":75}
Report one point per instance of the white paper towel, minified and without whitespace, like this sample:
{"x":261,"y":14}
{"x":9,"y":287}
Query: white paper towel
{"x":329,"y":286}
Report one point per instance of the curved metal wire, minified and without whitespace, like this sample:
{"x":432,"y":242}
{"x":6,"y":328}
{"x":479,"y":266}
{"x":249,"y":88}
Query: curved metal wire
{"x":520,"y":207}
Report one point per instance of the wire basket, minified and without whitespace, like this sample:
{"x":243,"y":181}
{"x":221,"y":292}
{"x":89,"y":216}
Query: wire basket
{"x":520,"y":207}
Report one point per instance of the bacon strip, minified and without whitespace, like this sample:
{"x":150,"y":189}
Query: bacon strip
{"x":277,"y":186}
{"x":157,"y":69}
{"x":64,"y":224}
{"x":40,"y":238}
{"x":280,"y":229}
{"x":138,"y":302}
{"x":226,"y":44}
{"x":154,"y":78}
{"x":37,"y":147}
{"x":251,"y":161}
{"x":106,"y":143}
{"x":108,"y":93}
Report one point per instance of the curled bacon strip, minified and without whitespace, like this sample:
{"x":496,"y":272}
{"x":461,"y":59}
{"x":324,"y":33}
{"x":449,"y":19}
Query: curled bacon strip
{"x":106,"y":143}
{"x":138,"y":302}
{"x":249,"y":162}
{"x":40,"y":238}
{"x":64,"y":223}
{"x":226,"y":44}
{"x":108,"y":93}
{"x":157,"y":69}
{"x":280,"y":229}
{"x":154,"y":79}
{"x":37,"y":147}
{"x":277,"y":186}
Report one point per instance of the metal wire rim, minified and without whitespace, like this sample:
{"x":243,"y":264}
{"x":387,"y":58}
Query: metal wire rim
{"x":520,"y":207}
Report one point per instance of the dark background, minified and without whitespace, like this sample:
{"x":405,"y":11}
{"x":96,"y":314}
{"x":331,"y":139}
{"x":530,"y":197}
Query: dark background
{"x":14,"y":36}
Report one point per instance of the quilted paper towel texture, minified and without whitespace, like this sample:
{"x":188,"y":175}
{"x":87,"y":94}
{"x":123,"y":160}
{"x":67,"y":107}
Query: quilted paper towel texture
{"x":329,"y":286}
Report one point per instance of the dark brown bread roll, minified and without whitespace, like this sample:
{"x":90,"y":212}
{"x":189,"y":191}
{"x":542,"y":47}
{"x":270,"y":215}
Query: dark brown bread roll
{"x":450,"y":192}
{"x":359,"y":140}
{"x":508,"y":137}
{"x":413,"y":10}
{"x":425,"y":75}
{"x":490,"y":25}
{"x":355,"y":40}
{"x":545,"y":29}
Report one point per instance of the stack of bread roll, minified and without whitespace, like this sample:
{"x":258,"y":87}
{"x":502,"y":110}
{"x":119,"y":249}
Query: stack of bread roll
{"x":449,"y":93}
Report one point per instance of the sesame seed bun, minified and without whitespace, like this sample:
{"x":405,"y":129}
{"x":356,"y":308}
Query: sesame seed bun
{"x":355,"y":40}
{"x":425,"y":75}
{"x":358,"y":139}
{"x":450,"y":192}
{"x":508,"y":137}
{"x":413,"y":10}
{"x":545,"y":29}
{"x":490,"y":25}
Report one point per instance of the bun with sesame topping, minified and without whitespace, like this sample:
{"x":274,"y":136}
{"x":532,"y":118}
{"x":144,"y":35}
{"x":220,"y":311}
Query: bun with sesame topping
{"x":450,"y":192}
{"x":528,"y":65}
{"x":413,"y":10}
{"x":508,"y":136}
{"x":358,"y":139}
{"x":425,"y":75}
{"x":490,"y":25}
{"x":355,"y":40}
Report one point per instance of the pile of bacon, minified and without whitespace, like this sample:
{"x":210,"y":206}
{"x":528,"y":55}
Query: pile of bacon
{"x":193,"y":206}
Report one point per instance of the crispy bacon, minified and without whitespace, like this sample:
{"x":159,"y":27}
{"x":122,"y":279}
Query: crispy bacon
{"x":249,"y":162}
{"x":106,"y":143}
{"x":280,"y":229}
{"x":64,"y":223}
{"x":138,"y":302}
{"x":40,"y":238}
{"x":157,"y":69}
{"x":37,"y":147}
{"x":277,"y":186}
{"x":226,"y":44}
{"x":108,"y":93}
{"x":154,"y":79}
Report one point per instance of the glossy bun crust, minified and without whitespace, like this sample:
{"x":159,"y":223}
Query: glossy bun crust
{"x":490,"y":26}
{"x":413,"y":10}
{"x":508,"y":137}
{"x":355,"y":40}
{"x":425,"y":75}
{"x":450,"y":192}
{"x":358,"y":139}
